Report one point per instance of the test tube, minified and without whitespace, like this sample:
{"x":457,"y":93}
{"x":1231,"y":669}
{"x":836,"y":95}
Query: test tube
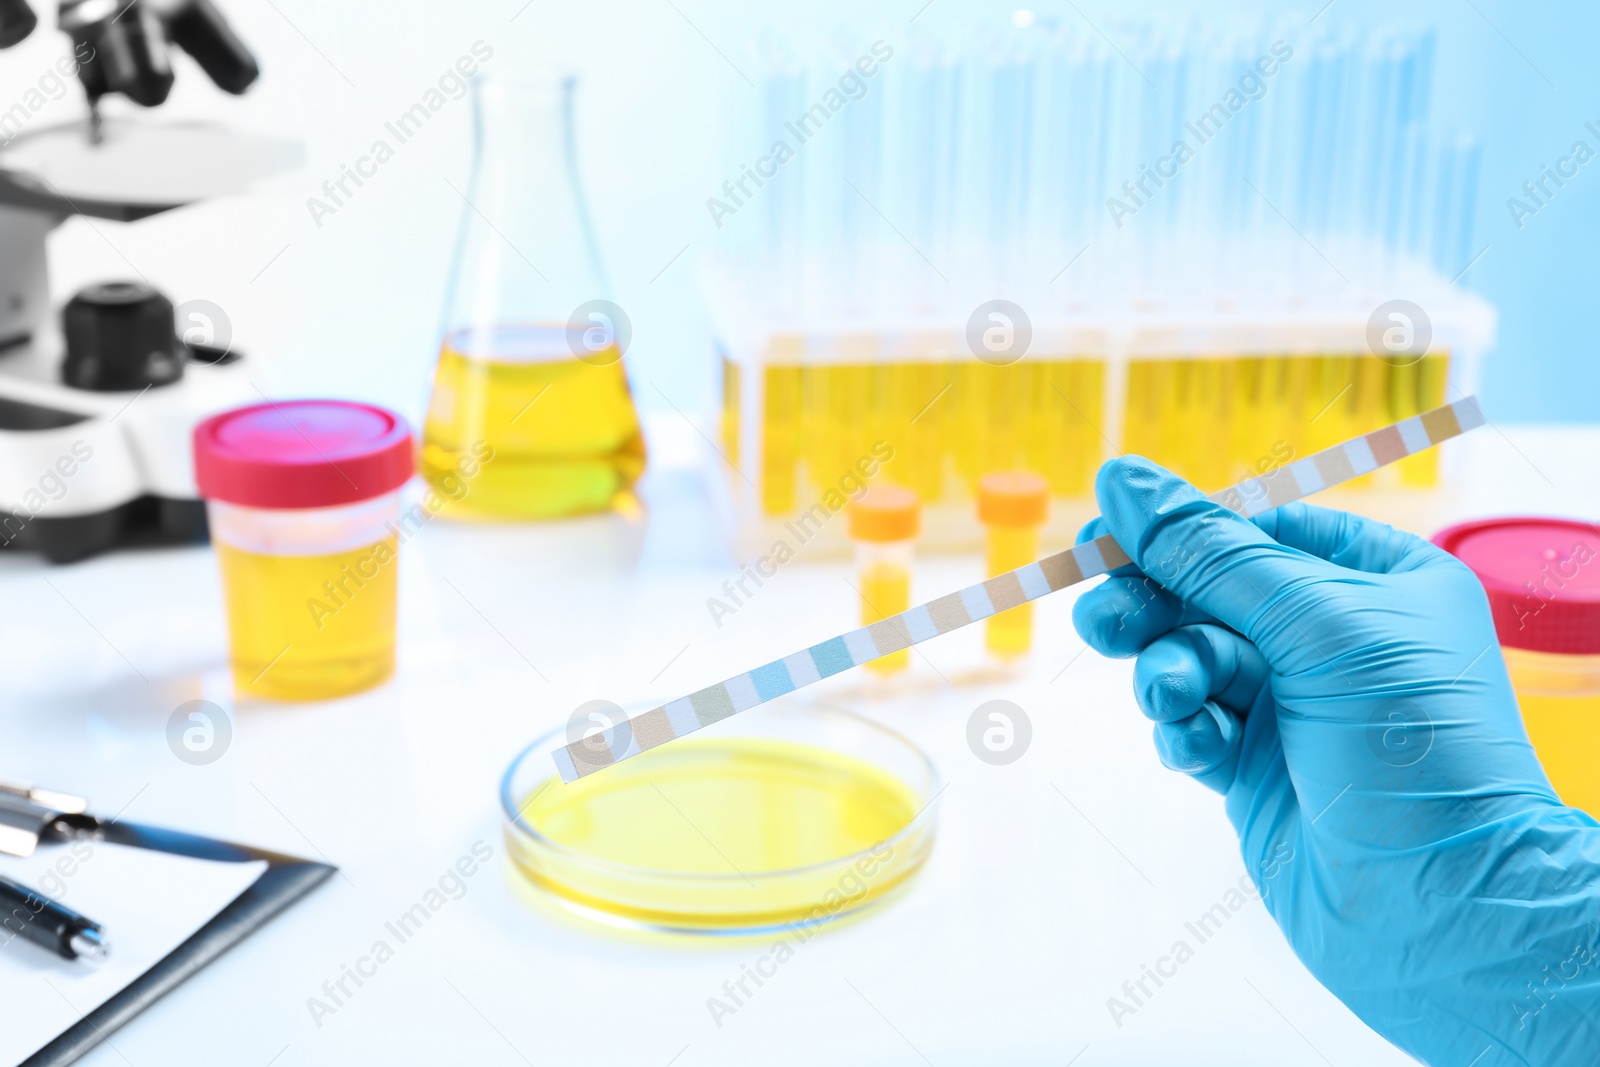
{"x":1012,"y":505}
{"x":884,"y":522}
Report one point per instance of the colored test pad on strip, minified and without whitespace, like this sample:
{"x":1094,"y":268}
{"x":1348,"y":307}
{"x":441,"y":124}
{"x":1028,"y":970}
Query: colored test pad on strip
{"x":1358,"y":456}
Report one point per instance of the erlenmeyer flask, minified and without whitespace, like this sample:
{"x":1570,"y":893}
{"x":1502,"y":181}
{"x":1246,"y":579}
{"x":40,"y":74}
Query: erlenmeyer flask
{"x":531,"y":415}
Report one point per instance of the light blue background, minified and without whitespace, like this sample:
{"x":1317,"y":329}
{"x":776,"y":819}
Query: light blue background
{"x":1523,"y":78}
{"x":1493,"y":61}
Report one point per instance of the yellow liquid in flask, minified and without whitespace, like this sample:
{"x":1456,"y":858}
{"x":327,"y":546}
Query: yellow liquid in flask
{"x":564,"y":431}
{"x":310,"y":627}
{"x":723,"y":833}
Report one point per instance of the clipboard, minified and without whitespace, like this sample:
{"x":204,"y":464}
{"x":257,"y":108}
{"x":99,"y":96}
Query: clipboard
{"x":285,"y":880}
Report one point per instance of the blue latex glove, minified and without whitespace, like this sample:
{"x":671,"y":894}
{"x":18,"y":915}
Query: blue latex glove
{"x":1339,"y":682}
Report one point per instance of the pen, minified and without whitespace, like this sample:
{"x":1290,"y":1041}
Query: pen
{"x":48,"y":798}
{"x":50,"y":925}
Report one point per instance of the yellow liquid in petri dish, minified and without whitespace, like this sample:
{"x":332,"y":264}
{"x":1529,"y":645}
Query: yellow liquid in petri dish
{"x":728,"y":833}
{"x":885,"y":591}
{"x":564,"y":431}
{"x":1010,"y":633}
{"x":292,"y":638}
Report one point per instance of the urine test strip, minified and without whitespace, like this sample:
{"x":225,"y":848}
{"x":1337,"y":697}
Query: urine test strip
{"x":1253,"y":496}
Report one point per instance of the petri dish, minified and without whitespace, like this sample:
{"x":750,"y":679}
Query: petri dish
{"x":785,"y":815}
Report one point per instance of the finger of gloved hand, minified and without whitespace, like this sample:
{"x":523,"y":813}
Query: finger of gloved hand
{"x":1199,"y":550}
{"x":1128,"y":610}
{"x":1181,"y":670}
{"x":1120,"y":616}
{"x":1096,"y":527}
{"x":1201,"y":745}
{"x":1261,"y":800}
{"x":1349,"y":540}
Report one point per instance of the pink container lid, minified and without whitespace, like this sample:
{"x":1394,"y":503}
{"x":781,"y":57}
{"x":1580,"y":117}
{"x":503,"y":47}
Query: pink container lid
{"x":1542,"y":576}
{"x":302,"y":454}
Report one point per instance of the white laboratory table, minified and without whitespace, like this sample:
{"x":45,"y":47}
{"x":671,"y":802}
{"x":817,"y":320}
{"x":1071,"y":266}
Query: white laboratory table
{"x":1054,"y":880}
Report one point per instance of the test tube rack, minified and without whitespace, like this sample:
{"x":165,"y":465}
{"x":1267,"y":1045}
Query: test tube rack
{"x":1215,"y":313}
{"x":1217,"y":393}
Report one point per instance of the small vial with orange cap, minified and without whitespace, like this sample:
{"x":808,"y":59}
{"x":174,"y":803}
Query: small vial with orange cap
{"x":1012,"y":505}
{"x":884,"y":522}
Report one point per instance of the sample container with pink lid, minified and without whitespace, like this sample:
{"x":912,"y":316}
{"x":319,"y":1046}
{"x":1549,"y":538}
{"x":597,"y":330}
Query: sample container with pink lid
{"x":303,"y":498}
{"x":1543,"y":580}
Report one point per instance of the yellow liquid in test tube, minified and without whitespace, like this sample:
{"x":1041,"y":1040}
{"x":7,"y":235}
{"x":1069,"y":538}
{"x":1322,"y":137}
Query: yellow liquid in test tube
{"x":1211,"y":418}
{"x":1010,"y":633}
{"x":1012,"y":505}
{"x":884,"y":522}
{"x":310,"y":627}
{"x":1217,"y":419}
{"x":815,"y":422}
{"x":885,"y":591}
{"x":1424,"y":389}
{"x":564,"y":431}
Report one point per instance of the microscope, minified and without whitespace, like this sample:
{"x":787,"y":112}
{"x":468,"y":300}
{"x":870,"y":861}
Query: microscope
{"x":98,"y":398}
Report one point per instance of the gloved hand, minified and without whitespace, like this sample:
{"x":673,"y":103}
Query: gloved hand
{"x":1339,"y":682}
